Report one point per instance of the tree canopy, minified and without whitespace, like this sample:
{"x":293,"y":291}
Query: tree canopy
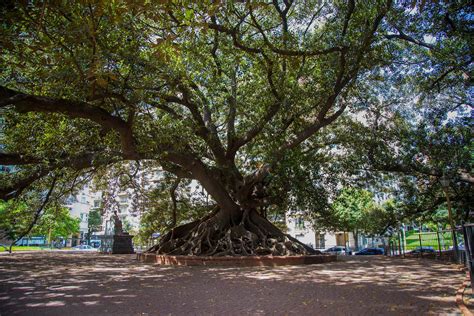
{"x":260,"y":102}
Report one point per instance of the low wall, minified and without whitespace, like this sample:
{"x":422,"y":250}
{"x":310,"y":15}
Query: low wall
{"x":271,"y":261}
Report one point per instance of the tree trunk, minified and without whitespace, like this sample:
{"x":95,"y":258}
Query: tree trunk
{"x":234,"y":228}
{"x":356,"y":240}
{"x":174,"y":217}
{"x":219,"y":234}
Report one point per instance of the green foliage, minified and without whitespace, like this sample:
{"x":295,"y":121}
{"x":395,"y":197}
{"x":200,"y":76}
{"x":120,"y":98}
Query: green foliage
{"x":350,"y":209}
{"x":126,"y":225}
{"x":158,"y":217}
{"x":355,"y":210}
{"x":94,"y":222}
{"x":14,"y":218}
{"x":56,"y":222}
{"x":380,"y":217}
{"x":386,"y":105}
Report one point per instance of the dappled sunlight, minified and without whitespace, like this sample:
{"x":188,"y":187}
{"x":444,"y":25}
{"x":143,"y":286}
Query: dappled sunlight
{"x":105,"y":284}
{"x":47,"y":304}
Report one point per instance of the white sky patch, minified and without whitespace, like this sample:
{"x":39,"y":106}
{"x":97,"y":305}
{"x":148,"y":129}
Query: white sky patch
{"x":452,"y":115}
{"x":429,"y":39}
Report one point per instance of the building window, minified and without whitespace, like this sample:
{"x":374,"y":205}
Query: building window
{"x":123,"y":199}
{"x":70,"y":200}
{"x":320,"y":241}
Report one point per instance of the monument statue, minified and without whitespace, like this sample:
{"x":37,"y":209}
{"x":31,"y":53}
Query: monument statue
{"x":118,"y":228}
{"x":122,"y":242}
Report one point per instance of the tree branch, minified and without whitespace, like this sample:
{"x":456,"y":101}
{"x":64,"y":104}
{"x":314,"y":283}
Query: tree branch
{"x":410,"y":39}
{"x":74,"y":109}
{"x":234,"y":33}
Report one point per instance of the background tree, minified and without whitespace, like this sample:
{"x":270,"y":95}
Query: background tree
{"x":19,"y":216}
{"x":94,"y":223}
{"x":350,"y":211}
{"x":56,"y":223}
{"x":14,"y":219}
{"x":232,"y":95}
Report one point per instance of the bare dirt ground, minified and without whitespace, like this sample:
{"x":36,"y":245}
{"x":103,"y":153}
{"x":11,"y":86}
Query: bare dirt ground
{"x":92,"y":284}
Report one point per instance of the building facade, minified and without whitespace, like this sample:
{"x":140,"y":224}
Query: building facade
{"x":305,"y":232}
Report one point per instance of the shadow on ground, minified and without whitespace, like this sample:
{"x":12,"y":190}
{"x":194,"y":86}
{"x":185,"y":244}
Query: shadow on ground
{"x":93,"y":284}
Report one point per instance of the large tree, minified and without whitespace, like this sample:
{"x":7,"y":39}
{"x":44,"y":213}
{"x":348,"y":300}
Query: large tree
{"x":225,"y":94}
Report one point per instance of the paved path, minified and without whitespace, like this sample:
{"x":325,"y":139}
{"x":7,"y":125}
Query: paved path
{"x":92,"y":284}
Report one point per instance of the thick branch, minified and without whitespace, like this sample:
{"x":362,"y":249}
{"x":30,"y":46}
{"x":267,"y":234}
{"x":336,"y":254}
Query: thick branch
{"x":174,"y":202}
{"x":234,"y":33}
{"x":341,"y":81}
{"x":232,"y":101}
{"x":10,"y":159}
{"x":207,"y":178}
{"x":410,"y":39}
{"x":207,"y":132}
{"x":19,"y":184}
{"x":73,"y":109}
{"x":350,"y":10}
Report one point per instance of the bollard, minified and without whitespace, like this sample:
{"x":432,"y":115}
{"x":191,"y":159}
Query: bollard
{"x":421,"y":245}
{"x":439,"y":244}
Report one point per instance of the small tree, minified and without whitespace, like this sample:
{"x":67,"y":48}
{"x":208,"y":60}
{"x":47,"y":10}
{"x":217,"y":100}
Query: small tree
{"x":14,"y":219}
{"x":93,"y":223}
{"x":57,"y":222}
{"x":350,"y":211}
{"x":19,"y":216}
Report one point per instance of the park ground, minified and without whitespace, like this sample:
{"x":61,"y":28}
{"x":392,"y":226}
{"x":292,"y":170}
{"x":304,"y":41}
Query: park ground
{"x":55,"y":283}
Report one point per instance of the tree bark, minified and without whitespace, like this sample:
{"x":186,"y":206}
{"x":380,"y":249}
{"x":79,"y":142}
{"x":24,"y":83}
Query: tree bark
{"x":356,"y":239}
{"x":174,"y":206}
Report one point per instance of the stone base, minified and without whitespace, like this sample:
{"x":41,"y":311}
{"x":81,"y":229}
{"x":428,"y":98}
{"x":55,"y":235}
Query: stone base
{"x":249,"y":261}
{"x":122,"y":244}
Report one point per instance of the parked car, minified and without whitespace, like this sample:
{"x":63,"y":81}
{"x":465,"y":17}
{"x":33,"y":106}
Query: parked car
{"x":370,"y":252}
{"x":84,"y":248}
{"x":460,"y":246}
{"x":424,"y":249}
{"x":338,"y":250}
{"x":95,"y":243}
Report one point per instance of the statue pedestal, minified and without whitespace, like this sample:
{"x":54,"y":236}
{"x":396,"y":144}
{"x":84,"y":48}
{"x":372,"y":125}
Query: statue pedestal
{"x":122,"y":244}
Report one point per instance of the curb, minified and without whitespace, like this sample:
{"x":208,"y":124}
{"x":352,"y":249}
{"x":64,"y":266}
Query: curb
{"x":237,"y":261}
{"x":459,"y":297}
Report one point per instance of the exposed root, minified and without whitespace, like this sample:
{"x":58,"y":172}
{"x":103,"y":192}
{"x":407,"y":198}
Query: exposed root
{"x":213,"y":236}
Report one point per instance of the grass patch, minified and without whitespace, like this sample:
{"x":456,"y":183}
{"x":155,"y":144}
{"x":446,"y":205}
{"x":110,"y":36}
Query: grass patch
{"x":429,"y":239}
{"x":23,"y":248}
{"x":30,"y":248}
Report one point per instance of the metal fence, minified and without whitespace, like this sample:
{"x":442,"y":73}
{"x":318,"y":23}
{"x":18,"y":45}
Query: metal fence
{"x":468,"y":234}
{"x":453,"y":245}
{"x":59,"y":243}
{"x":438,"y":242}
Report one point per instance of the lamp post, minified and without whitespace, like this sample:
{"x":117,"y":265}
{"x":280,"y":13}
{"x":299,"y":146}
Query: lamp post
{"x":445,"y":185}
